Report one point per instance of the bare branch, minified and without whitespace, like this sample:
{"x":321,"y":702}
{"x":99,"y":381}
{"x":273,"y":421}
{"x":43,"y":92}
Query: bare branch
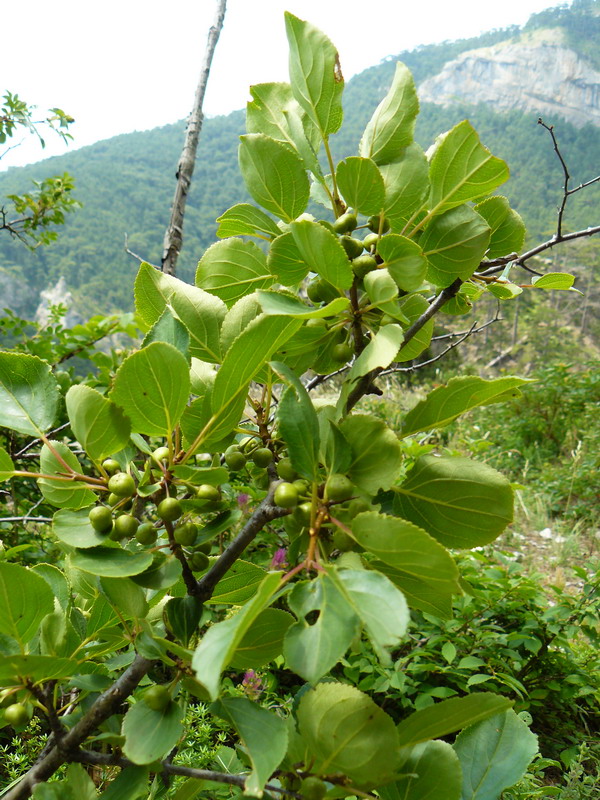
{"x":135,"y":255}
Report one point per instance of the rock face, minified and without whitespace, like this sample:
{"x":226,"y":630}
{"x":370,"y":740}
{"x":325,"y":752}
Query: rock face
{"x":540,"y":76}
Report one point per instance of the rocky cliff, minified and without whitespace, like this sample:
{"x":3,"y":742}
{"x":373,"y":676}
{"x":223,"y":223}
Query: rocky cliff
{"x":534,"y":73}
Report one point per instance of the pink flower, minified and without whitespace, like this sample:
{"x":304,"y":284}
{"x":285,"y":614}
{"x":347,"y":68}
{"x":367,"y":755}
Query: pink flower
{"x":279,"y":560}
{"x":253,"y":686}
{"x":242,"y":501}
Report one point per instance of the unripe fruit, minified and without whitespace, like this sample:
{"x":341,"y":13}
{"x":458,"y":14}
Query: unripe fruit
{"x":205,"y":548}
{"x":313,"y":788}
{"x":321,"y":291}
{"x":111,"y":466}
{"x":262,"y":457}
{"x":16,"y":714}
{"x":122,"y":485}
{"x":207,"y":492}
{"x":286,"y":495}
{"x":101,"y":519}
{"x":316,"y":322}
{"x":353,"y":247}
{"x":161,"y":455}
{"x":302,"y":486}
{"x":285,"y":470}
{"x":198,"y":561}
{"x":302,"y":514}
{"x":157,"y":697}
{"x":186,"y":534}
{"x":341,"y":353}
{"x":146,"y":533}
{"x":345,"y":224}
{"x":169,"y":509}
{"x":125,"y":526}
{"x":373,"y":224}
{"x":342,"y":541}
{"x":313,"y":291}
{"x":235,"y":460}
{"x":338,"y":488}
{"x":357,"y":506}
{"x":113,"y":499}
{"x":370,"y":240}
{"x":362,"y":265}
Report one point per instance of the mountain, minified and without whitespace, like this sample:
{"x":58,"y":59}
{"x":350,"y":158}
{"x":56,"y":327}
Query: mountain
{"x":502,"y":81}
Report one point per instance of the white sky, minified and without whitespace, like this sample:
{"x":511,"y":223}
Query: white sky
{"x":124,"y":65}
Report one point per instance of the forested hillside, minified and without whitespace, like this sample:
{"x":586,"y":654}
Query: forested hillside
{"x":125,"y":184}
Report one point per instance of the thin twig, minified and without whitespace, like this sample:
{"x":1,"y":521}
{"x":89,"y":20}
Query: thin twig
{"x":35,"y":442}
{"x":135,"y":255}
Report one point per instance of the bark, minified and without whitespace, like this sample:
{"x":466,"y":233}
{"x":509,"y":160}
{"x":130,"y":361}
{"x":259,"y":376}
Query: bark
{"x":185,"y":169}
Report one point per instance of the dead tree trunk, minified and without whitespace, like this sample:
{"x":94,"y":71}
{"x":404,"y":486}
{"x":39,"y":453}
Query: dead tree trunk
{"x":185,"y":169}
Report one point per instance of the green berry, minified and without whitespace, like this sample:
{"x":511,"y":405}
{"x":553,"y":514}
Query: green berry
{"x":186,"y":534}
{"x":286,"y":495}
{"x":146,"y":533}
{"x":313,"y":788}
{"x":373,"y":223}
{"x":262,"y":457}
{"x":342,"y":353}
{"x":342,"y":541}
{"x":16,"y":714}
{"x":353,"y":247}
{"x":302,"y":486}
{"x":169,"y":509}
{"x":122,"y":485}
{"x":338,"y":488}
{"x":302,"y":514}
{"x":111,"y":466}
{"x":285,"y":470}
{"x":235,"y":460}
{"x":357,"y":506}
{"x":204,"y":547}
{"x":198,"y":561}
{"x":362,"y":265}
{"x":370,"y":240}
{"x":346,"y":223}
{"x":157,"y":697}
{"x":161,"y":455}
{"x":113,"y":499}
{"x":316,"y":322}
{"x":101,"y":519}
{"x":125,"y":527}
{"x":207,"y":492}
{"x":314,"y":291}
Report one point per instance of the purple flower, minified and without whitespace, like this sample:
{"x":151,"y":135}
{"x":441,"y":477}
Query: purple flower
{"x":242,"y":501}
{"x":279,"y":560}
{"x":253,"y":686}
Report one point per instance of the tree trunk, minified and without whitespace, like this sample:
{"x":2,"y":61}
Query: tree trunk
{"x":185,"y":169}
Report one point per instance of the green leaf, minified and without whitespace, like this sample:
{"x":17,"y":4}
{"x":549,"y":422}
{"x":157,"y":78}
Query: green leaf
{"x":462,"y":169}
{"x":322,"y":251}
{"x":298,"y":424}
{"x":449,"y":652}
{"x":201,"y":312}
{"x":508,"y":229}
{"x":111,"y":562}
{"x":220,"y":642}
{"x":274,"y":175}
{"x":376,"y":454}
{"x":15,"y":669}
{"x":315,"y":75}
{"x":404,"y":260}
{"x":263,"y":734}
{"x":153,"y":386}
{"x":445,"y":403}
{"x":278,"y":303}
{"x":126,"y":597}
{"x":130,"y":784}
{"x":413,"y":306}
{"x":406,"y":185}
{"x":361,"y":185}
{"x":503,"y":291}
{"x":61,"y":493}
{"x":450,"y":716}
{"x":215,"y":476}
{"x":554,"y":280}
{"x":25,"y":599}
{"x":7,"y":467}
{"x":460,"y":502}
{"x":431,"y":770}
{"x":379,"y":353}
{"x":347,"y":733}
{"x":170,"y":330}
{"x":379,"y":605}
{"x":285,"y":262}
{"x":151,"y":735}
{"x":494,"y":755}
{"x":454,"y":243}
{"x":232,"y":269}
{"x":246,"y":220}
{"x":391,"y":127}
{"x":182,"y":616}
{"x":420,"y":566}
{"x":28,"y":394}
{"x":98,"y":424}
{"x":75,"y":529}
{"x":239,"y":584}
{"x":57,"y":581}
{"x":263,"y":641}
{"x":311,"y":650}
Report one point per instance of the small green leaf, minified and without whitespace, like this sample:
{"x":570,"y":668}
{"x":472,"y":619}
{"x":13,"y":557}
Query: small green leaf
{"x":130,"y":784}
{"x":507,"y":227}
{"x":278,"y":303}
{"x":361,"y":185}
{"x":406,"y":186}
{"x":450,"y":716}
{"x":263,"y":734}
{"x":232,"y":269}
{"x":346,"y":732}
{"x":554,"y":280}
{"x":285,"y":261}
{"x":263,"y":641}
{"x":111,"y":562}
{"x":239,"y":584}
{"x":182,"y":616}
{"x":376,"y":454}
{"x":494,"y":755}
{"x":75,"y":529}
{"x":28,"y":394}
{"x":448,"y":652}
{"x":431,"y":770}
{"x":25,"y":599}
{"x":454,"y":243}
{"x":246,"y":220}
{"x":460,"y":502}
{"x":379,"y":353}
{"x":391,"y":127}
{"x":321,"y":250}
{"x":7,"y":468}
{"x":170,"y":330}
{"x":15,"y":668}
{"x":315,"y":75}
{"x":62,"y":493}
{"x":151,"y":735}
{"x":274,"y":175}
{"x":152,"y":386}
{"x":125,"y":596}
{"x":98,"y":424}
{"x":298,"y":424}
{"x":404,"y":260}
